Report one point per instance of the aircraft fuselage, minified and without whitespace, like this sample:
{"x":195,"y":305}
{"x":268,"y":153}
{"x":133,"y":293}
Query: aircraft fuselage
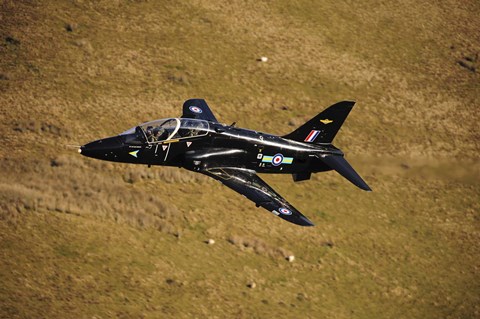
{"x":198,"y":142}
{"x":221,"y":145}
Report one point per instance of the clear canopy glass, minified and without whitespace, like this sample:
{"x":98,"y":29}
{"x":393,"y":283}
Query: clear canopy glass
{"x":166,"y":129}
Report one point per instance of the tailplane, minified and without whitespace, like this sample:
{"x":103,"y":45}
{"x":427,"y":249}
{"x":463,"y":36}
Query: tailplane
{"x":323,"y":127}
{"x":340,"y":164}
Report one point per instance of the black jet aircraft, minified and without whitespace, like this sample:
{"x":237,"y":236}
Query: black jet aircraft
{"x":198,"y":142}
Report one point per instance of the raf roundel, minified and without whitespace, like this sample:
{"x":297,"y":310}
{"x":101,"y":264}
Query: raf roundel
{"x":285,"y":211}
{"x":277,"y":159}
{"x":195,"y":109}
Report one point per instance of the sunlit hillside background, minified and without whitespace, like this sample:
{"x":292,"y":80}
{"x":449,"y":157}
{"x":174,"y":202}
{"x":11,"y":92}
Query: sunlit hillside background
{"x":81,"y":238}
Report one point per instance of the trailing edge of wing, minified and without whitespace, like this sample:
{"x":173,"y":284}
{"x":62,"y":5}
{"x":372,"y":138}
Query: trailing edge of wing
{"x":198,"y":109}
{"x":247,"y":183}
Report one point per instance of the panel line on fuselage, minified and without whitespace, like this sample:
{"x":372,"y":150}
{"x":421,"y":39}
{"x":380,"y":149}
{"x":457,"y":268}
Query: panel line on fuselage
{"x":287,"y":145}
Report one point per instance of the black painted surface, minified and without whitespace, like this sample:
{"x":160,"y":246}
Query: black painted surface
{"x":232,"y":155}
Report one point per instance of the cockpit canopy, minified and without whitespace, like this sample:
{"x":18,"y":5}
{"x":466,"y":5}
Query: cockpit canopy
{"x":165,"y":129}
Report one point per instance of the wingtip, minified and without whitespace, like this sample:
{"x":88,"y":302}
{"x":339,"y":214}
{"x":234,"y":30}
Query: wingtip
{"x":365,"y":187}
{"x":306,"y":222}
{"x":300,"y":221}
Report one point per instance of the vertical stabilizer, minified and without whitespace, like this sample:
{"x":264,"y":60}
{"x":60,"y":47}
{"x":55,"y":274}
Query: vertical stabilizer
{"x":323,"y":127}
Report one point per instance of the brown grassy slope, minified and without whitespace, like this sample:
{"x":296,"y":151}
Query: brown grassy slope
{"x":99,"y":239}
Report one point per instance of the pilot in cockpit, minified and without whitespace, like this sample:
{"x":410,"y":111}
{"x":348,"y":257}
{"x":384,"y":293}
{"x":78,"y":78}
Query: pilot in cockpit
{"x":149,"y":133}
{"x":159,"y":134}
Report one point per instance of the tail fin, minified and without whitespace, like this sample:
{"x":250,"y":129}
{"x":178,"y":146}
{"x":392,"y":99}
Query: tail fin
{"x":323,"y":127}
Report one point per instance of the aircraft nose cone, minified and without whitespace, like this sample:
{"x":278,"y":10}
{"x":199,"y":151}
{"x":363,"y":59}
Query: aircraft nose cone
{"x":102,"y":149}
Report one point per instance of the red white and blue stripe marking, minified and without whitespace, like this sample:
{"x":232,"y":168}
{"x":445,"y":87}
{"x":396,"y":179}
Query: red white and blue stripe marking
{"x":195,"y":109}
{"x":277,"y":159}
{"x":312,"y":136}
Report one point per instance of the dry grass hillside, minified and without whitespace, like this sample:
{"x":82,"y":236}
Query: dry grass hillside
{"x":81,"y":238}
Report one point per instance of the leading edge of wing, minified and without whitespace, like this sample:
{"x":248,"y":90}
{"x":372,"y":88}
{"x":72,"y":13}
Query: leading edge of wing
{"x":247,"y":183}
{"x":198,"y":109}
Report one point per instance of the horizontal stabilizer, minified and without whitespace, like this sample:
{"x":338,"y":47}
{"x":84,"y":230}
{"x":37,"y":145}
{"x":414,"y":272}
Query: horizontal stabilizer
{"x":340,"y":164}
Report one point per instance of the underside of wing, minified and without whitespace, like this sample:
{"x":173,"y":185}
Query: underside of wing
{"x":247,"y":183}
{"x":198,"y":109}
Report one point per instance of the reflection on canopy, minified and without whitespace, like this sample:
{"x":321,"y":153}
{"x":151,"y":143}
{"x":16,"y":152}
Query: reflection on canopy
{"x":166,"y":129}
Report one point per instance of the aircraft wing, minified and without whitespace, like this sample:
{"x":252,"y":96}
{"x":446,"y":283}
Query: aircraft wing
{"x":247,"y":183}
{"x":198,"y":109}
